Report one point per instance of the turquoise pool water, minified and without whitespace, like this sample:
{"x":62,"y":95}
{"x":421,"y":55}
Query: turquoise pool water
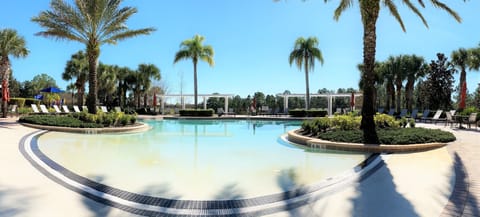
{"x":197,"y":159}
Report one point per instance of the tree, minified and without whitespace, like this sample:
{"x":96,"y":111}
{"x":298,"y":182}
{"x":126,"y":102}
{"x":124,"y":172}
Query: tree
{"x":42,"y":81}
{"x":305,"y":52}
{"x":413,"y":71}
{"x":77,"y":68}
{"x":194,"y":49}
{"x":90,"y":22}
{"x":123,"y":74}
{"x":10,"y":44}
{"x":440,"y":83}
{"x":107,"y":83}
{"x":369,"y":11}
{"x":146,"y":73}
{"x":459,"y":59}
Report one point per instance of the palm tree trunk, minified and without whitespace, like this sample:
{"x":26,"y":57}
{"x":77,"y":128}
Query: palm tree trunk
{"x":5,"y":75}
{"x":195,"y":82}
{"x":463,"y":79}
{"x":93,"y":53}
{"x":370,"y":10}
{"x":409,"y":93}
{"x":307,"y":91}
{"x":144,"y":100}
{"x":399,"y":95}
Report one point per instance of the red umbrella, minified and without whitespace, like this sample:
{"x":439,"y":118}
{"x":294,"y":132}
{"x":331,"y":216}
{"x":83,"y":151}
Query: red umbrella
{"x":463,"y":96}
{"x":352,"y":100}
{"x":254,"y":104}
{"x":5,"y":92}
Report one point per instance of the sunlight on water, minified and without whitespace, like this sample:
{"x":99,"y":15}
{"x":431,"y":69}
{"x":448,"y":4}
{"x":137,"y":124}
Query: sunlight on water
{"x":207,"y":159}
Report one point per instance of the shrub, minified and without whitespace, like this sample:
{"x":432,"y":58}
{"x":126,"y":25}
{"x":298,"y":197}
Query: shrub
{"x":57,"y":120}
{"x":297,"y":112}
{"x":307,"y":113}
{"x":29,"y":101}
{"x":469,"y":110}
{"x":385,"y":121}
{"x":411,"y":123}
{"x":197,"y":112}
{"x":392,"y":136}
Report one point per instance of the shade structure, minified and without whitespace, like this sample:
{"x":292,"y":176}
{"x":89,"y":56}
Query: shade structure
{"x":352,"y":100}
{"x":5,"y":92}
{"x":463,"y":96}
{"x":51,"y":90}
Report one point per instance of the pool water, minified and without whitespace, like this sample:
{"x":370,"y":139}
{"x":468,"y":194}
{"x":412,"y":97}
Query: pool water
{"x":198,"y":159}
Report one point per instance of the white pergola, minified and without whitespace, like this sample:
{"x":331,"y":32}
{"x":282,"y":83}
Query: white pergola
{"x":204,"y":96}
{"x":330,"y":98}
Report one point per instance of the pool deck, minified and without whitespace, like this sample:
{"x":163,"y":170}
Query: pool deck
{"x":414,"y":184}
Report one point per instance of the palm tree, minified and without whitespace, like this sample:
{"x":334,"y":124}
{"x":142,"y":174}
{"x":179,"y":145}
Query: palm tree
{"x":304,"y":53}
{"x":123,"y":74}
{"x":93,"y":23}
{"x":146,"y":72}
{"x":10,"y":44}
{"x":369,"y":11}
{"x":460,"y":59}
{"x":195,"y":50}
{"x":413,"y":70}
{"x":107,"y":77}
{"x":77,"y":67}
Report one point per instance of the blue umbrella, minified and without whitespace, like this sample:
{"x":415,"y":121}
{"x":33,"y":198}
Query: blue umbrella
{"x":51,"y":90}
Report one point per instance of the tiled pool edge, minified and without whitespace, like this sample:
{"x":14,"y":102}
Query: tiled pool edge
{"x":145,"y":205}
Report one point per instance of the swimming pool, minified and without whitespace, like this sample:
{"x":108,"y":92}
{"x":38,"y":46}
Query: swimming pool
{"x":197,"y":159}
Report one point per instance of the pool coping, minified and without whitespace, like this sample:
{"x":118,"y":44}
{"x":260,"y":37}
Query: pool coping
{"x":148,"y":205}
{"x":295,"y":137}
{"x":138,"y":127}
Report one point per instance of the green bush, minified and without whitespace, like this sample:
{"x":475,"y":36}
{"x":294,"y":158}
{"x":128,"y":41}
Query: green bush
{"x":111,"y":119}
{"x":29,"y":101}
{"x":469,"y":110}
{"x":308,"y":113}
{"x":197,"y":112}
{"x":386,"y":121}
{"x":297,"y":112}
{"x":398,"y":136}
{"x":57,"y":120}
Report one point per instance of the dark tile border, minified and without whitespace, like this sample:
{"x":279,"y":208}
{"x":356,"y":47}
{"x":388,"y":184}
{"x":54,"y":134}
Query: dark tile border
{"x":201,"y":207}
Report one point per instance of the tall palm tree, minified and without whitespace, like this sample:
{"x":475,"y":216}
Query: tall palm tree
{"x":146,"y":73}
{"x":369,"y":11}
{"x":305,"y":52}
{"x":194,"y":49}
{"x":107,"y":78}
{"x":460,"y":59}
{"x":413,"y":70}
{"x":123,"y":74}
{"x":93,"y":23}
{"x":10,"y":44}
{"x":77,"y":67}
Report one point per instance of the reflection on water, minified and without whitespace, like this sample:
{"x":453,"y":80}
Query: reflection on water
{"x":197,"y":159}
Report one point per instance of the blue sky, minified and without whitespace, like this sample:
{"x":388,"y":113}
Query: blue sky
{"x":252,"y":40}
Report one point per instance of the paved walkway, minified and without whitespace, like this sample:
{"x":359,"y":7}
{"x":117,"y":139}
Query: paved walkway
{"x":418,"y":184}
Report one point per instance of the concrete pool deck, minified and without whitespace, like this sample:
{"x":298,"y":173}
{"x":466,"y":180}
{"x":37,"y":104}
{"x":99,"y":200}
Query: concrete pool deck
{"x":418,"y":184}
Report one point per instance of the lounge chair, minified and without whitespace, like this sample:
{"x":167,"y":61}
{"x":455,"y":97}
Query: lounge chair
{"x":449,"y":119}
{"x":436,"y":116}
{"x":85,"y":108}
{"x":118,"y":109}
{"x":414,"y":114}
{"x":104,"y":109}
{"x":76,"y":109}
{"x":35,"y":108}
{"x":380,"y":110}
{"x":453,"y":112}
{"x":13,"y":110}
{"x":425,"y":114}
{"x":57,"y":109}
{"x":220,"y":112}
{"x":231,"y":112}
{"x":65,"y":109}
{"x":44,"y":109}
{"x":403,"y":113}
{"x":391,"y":112}
{"x":472,"y":119}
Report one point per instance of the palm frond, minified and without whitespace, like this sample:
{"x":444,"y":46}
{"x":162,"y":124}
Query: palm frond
{"x":416,"y":11}
{"x":443,"y":6}
{"x":343,"y":6}
{"x":129,"y":34}
{"x":181,"y":55}
{"x":393,"y":10}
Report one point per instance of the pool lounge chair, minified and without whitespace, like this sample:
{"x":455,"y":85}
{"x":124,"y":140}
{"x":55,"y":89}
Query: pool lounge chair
{"x":403,"y":113}
{"x":230,"y":112}
{"x":57,"y":109}
{"x":65,"y":109}
{"x":436,"y":117}
{"x":85,"y":108}
{"x":76,"y":109}
{"x":380,"y":110}
{"x":391,"y":112}
{"x":13,"y":111}
{"x":425,"y":114}
{"x":472,"y":119}
{"x":104,"y":109}
{"x":118,"y":109}
{"x":35,"y":108}
{"x":44,"y":109}
{"x":220,"y":112}
{"x":414,"y":114}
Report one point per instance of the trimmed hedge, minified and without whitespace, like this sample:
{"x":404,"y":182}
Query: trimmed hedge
{"x":307,"y":113}
{"x":57,"y":120}
{"x":197,"y":112}
{"x":398,"y":136}
{"x":21,"y":102}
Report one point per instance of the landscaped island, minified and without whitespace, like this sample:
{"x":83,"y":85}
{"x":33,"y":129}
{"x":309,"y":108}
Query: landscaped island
{"x":346,"y":129}
{"x":82,"y":120}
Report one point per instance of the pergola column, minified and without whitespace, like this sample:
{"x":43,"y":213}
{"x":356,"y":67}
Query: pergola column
{"x":204,"y":103}
{"x":330,"y":105}
{"x":285,"y":101}
{"x":226,"y":104}
{"x":163,"y":104}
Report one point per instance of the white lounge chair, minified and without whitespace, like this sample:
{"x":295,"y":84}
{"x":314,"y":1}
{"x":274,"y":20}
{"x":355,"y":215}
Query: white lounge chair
{"x":85,"y":108}
{"x":76,"y":109}
{"x":118,"y":109}
{"x":65,"y":109}
{"x":35,"y":108}
{"x":57,"y":109}
{"x":104,"y":109}
{"x":44,"y":109}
